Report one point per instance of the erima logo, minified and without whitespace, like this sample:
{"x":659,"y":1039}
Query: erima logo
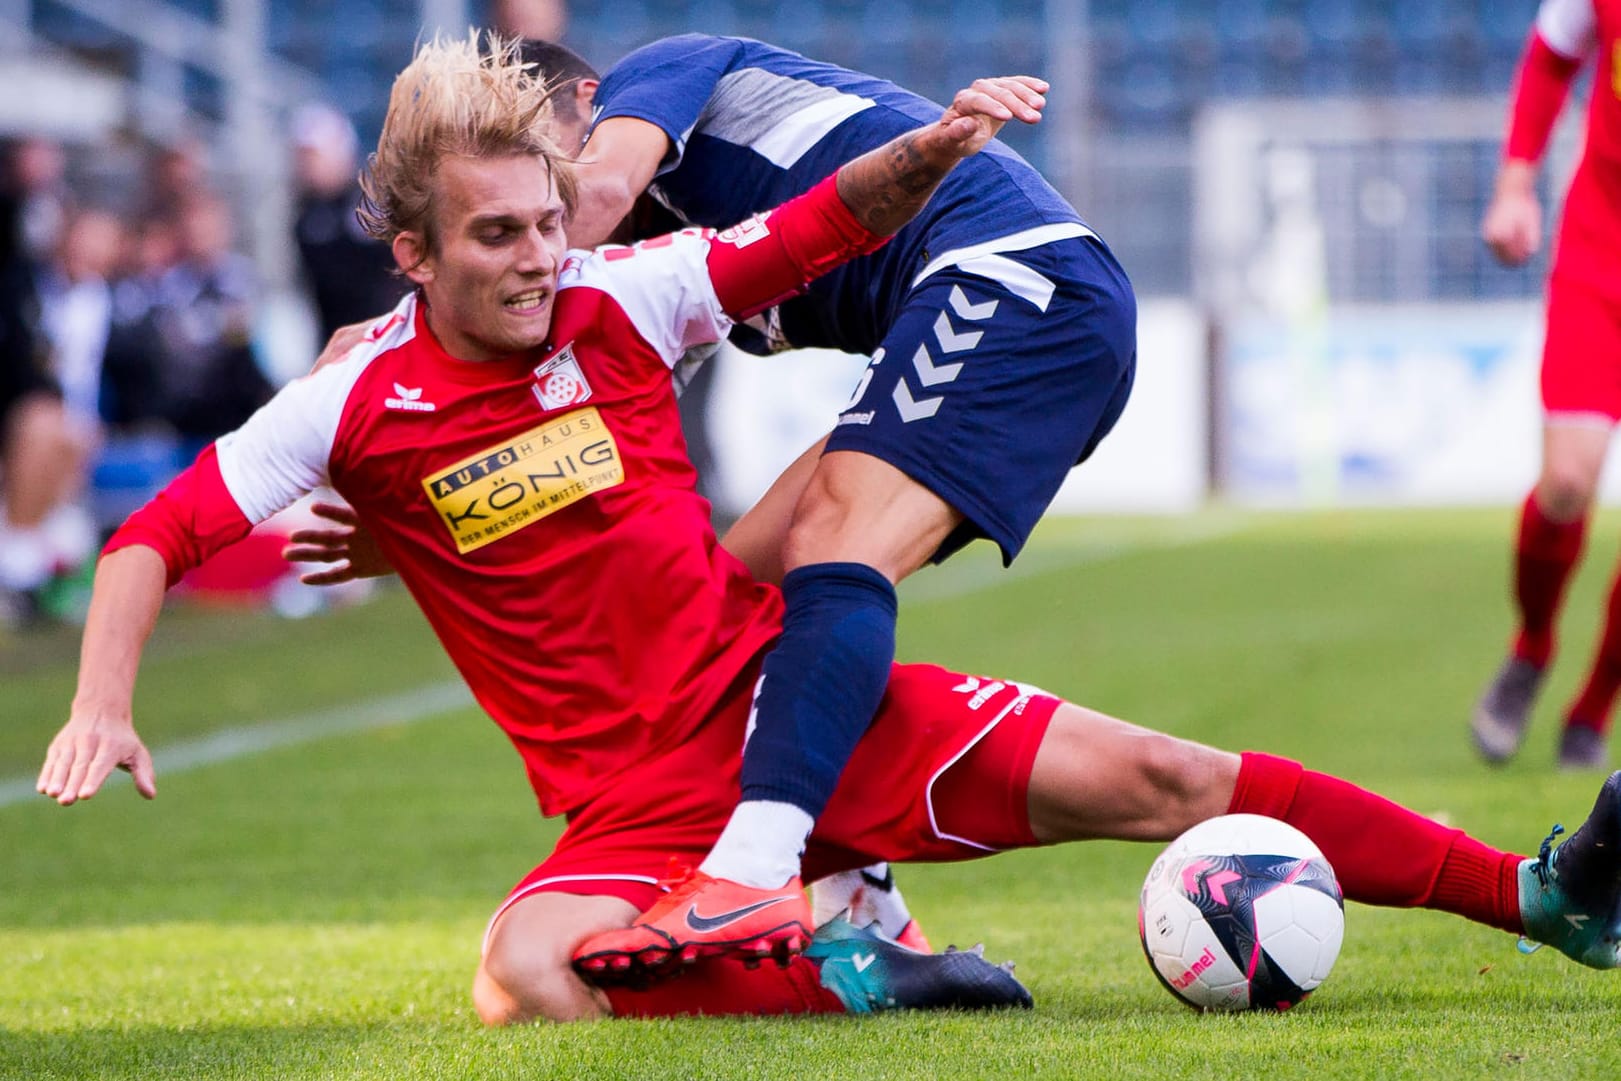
{"x":409,"y":399}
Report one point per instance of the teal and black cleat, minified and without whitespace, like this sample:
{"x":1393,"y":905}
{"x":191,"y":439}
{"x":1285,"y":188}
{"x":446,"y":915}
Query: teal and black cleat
{"x":1570,"y":896}
{"x":868,"y":973}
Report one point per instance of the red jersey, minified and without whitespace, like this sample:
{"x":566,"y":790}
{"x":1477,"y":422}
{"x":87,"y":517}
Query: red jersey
{"x":540,"y":508}
{"x":1589,"y":241}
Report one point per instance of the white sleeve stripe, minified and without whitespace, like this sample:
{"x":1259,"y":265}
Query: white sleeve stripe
{"x":282,"y":452}
{"x":1570,"y":27}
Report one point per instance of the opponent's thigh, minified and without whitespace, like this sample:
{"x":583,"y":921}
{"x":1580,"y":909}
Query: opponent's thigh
{"x":526,"y":972}
{"x":1095,"y":776}
{"x":858,"y":508}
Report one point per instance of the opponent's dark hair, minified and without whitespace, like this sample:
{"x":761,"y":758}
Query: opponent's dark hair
{"x":560,"y":68}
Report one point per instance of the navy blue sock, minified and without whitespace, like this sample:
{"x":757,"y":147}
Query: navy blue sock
{"x":823,"y":682}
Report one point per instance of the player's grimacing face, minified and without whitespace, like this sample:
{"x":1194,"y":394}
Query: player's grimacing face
{"x":491,"y":278}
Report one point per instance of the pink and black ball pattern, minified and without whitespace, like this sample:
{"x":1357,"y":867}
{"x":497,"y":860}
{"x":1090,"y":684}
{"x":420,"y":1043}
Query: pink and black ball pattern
{"x":1229,"y":924}
{"x":1227,"y":889}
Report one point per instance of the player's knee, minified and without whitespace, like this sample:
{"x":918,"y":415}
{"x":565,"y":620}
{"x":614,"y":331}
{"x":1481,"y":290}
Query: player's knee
{"x":1566,"y":490}
{"x":532,"y":984}
{"x":1186,"y":781}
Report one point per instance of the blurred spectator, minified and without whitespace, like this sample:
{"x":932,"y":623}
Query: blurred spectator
{"x":203,"y":316}
{"x":546,"y":20}
{"x":177,"y":173}
{"x":76,"y":306}
{"x":33,"y":200}
{"x":42,"y":454}
{"x":132,"y":367}
{"x":350,"y":275}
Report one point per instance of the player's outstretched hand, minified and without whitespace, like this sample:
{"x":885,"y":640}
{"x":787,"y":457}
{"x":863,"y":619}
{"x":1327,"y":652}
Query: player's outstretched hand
{"x":978,"y":112}
{"x":86,"y":751}
{"x":349,"y":550}
{"x":1512,"y":227}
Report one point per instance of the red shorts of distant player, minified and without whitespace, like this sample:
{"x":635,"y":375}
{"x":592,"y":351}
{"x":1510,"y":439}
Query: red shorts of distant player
{"x":943,"y":774}
{"x":1581,"y":355}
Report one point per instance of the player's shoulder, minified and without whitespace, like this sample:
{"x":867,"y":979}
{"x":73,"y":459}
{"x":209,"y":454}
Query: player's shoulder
{"x":613,"y":267}
{"x":1569,"y":27}
{"x":386,"y":338}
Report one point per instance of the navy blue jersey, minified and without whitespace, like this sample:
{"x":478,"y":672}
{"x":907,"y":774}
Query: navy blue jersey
{"x":752,"y":125}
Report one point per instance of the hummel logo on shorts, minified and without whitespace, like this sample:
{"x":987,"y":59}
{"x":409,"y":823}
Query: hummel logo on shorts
{"x":706,"y":924}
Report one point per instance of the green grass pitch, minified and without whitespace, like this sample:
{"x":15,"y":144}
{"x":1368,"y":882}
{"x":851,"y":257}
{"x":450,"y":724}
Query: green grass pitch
{"x":313,"y":909}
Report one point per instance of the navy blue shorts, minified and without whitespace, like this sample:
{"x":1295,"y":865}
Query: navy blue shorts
{"x":1004,"y":369}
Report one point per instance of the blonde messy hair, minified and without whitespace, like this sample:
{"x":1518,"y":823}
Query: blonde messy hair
{"x":455,"y":100}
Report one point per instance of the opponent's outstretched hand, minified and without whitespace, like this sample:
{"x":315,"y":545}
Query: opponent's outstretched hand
{"x":342,"y":341}
{"x":886,"y":187}
{"x":978,"y":112}
{"x":349,"y":551}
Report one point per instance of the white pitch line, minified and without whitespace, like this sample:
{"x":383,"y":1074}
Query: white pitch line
{"x":395,"y":709}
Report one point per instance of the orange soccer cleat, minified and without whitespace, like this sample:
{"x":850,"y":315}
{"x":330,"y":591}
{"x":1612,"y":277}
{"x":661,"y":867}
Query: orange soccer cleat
{"x":700,"y":917}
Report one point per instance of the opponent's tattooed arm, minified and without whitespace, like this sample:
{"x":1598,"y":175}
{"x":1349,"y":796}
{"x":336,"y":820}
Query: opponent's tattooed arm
{"x":885,"y":188}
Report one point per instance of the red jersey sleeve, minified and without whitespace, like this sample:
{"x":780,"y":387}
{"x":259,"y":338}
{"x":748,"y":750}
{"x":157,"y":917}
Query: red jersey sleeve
{"x":190,"y":520}
{"x":1540,"y":88}
{"x":772,"y":257}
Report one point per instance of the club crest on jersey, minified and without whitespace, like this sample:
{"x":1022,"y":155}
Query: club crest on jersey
{"x":559,"y":382}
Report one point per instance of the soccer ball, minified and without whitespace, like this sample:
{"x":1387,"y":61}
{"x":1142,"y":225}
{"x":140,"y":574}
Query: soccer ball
{"x":1241,"y":912}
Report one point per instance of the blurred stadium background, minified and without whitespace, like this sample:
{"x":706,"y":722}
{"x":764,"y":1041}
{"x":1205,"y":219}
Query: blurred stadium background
{"x":1295,"y":187}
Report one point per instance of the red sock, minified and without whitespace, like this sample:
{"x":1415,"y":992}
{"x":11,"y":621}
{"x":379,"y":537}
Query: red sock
{"x":1382,"y":853}
{"x":1544,"y":556}
{"x":1593,"y":706}
{"x":719,"y":987}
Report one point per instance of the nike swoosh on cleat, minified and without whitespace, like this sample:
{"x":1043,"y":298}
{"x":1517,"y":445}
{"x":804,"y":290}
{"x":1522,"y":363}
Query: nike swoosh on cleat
{"x":863,"y":961}
{"x":715,"y":923}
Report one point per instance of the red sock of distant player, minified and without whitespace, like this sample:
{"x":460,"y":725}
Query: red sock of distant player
{"x":1544,"y":556}
{"x":719,"y":987}
{"x":1592,"y":707}
{"x":1382,"y":853}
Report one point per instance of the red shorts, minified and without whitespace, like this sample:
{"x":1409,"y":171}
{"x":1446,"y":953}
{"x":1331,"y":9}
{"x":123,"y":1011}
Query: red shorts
{"x":1581,"y":355}
{"x":942,"y":774}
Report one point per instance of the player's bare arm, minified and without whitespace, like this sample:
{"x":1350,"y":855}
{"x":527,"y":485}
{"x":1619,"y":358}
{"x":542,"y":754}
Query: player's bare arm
{"x":100,"y":733}
{"x":887,"y":187}
{"x":613,"y":169}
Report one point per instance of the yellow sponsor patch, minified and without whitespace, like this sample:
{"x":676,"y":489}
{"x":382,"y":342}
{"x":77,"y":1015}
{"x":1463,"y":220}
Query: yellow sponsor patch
{"x":519,"y":481}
